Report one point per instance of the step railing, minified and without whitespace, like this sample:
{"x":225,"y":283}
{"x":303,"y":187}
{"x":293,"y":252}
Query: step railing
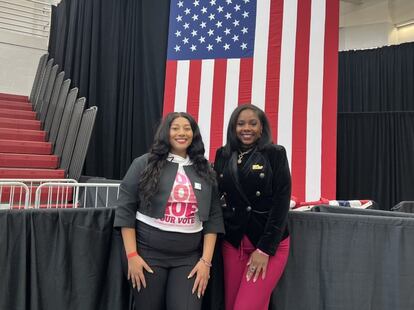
{"x":32,"y":185}
{"x":8,"y":191}
{"x":76,"y":195}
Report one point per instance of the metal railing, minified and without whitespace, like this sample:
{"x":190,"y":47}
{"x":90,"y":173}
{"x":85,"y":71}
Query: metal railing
{"x":32,"y":184}
{"x":12,"y":191}
{"x":76,"y":195}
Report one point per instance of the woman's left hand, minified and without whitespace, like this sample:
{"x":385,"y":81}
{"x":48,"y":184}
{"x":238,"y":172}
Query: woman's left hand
{"x":202,"y":272}
{"x":257,"y":264}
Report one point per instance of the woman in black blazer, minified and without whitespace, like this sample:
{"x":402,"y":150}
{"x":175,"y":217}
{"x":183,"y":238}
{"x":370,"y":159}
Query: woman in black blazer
{"x":255,"y":185}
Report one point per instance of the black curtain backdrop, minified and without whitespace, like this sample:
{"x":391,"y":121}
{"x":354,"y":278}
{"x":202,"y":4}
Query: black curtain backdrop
{"x":376,"y":125}
{"x":114,"y":52}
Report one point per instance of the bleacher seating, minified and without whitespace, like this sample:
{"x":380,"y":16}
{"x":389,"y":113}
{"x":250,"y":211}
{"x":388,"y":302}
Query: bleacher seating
{"x":39,"y":132}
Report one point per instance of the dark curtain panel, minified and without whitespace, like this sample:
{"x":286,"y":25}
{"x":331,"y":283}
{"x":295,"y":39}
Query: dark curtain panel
{"x":375,"y":157}
{"x":376,"y":125}
{"x":114,"y":52}
{"x":379,"y":79}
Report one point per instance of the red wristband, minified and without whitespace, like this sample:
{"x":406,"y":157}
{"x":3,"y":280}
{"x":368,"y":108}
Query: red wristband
{"x":132,"y":254}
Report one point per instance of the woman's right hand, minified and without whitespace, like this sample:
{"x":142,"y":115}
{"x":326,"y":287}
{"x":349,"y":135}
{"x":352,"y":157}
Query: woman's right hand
{"x":136,"y":266}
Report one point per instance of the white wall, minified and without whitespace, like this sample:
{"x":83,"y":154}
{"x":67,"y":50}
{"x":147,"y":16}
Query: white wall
{"x":373,"y":23}
{"x":19,"y":57}
{"x":24,"y":30}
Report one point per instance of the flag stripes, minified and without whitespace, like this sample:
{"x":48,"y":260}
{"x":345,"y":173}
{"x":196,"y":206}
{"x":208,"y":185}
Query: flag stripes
{"x":292,"y":76}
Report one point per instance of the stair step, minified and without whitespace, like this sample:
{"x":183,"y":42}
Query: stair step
{"x":57,"y":195}
{"x":15,"y":105}
{"x":4,"y":96}
{"x":46,"y":206}
{"x":21,"y":124}
{"x":17,"y":114}
{"x":22,"y":134}
{"x":25,"y":173}
{"x":25,"y":147}
{"x":8,"y":160}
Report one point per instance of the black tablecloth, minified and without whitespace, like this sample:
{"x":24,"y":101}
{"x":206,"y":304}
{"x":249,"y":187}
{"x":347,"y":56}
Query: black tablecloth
{"x":72,"y":259}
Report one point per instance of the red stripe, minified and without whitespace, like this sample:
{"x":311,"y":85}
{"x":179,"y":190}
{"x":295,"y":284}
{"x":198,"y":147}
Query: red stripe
{"x":245,"y":80}
{"x":194,"y":80}
{"x":217,"y":115}
{"x":273,"y":64}
{"x":169,"y":88}
{"x":300,"y":97}
{"x":329,"y":107}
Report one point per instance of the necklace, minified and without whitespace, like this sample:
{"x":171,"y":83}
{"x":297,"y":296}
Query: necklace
{"x":240,"y":156}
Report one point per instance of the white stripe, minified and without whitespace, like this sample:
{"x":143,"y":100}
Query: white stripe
{"x":181,"y":87}
{"x":315,"y":96}
{"x":231,"y":96}
{"x":206,"y":98}
{"x":287,"y":76}
{"x":260,"y":53}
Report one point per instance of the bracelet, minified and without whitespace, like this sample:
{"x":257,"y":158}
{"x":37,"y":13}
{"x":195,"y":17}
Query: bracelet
{"x":261,"y":252}
{"x":132,"y":254}
{"x":207,"y":263}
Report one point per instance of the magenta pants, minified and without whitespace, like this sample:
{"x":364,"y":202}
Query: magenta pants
{"x":243,"y":295}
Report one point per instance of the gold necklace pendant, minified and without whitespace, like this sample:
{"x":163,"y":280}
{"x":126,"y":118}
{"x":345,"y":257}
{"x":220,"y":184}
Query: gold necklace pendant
{"x":240,"y":156}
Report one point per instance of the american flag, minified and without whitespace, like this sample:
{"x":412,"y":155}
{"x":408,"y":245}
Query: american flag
{"x":280,"y":55}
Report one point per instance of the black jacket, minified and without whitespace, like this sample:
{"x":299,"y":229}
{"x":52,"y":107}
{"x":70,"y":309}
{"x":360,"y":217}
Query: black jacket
{"x":257,"y":196}
{"x":209,"y":209}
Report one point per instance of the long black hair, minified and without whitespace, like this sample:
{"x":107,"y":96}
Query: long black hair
{"x":149,"y":182}
{"x":233,"y":143}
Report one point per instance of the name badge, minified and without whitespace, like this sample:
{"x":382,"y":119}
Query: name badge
{"x":257,"y":167}
{"x":197,"y":186}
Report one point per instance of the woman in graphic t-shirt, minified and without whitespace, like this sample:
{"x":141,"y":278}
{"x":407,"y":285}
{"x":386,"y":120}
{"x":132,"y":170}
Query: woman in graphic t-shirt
{"x":169,"y":215}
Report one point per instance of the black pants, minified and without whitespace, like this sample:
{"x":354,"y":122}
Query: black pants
{"x":171,"y":256}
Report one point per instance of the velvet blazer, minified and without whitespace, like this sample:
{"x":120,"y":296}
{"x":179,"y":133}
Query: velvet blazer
{"x":128,"y":204}
{"x":255,"y":196}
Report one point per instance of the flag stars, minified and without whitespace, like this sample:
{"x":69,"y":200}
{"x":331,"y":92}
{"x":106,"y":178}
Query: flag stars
{"x":227,"y":31}
{"x":245,"y":14}
{"x":203,"y":25}
{"x":202,"y":39}
{"x":236,"y":23}
{"x":204,"y":10}
{"x":226,"y":46}
{"x":177,"y":48}
{"x":211,"y":16}
{"x":209,"y":47}
{"x":195,"y":17}
{"x":196,"y":3}
{"x":187,"y":11}
{"x":235,"y":38}
{"x":228,"y":15}
{"x":193,"y":48}
{"x":210,"y":32}
{"x":213,"y":2}
{"x":186,"y":25}
{"x":194,"y":33}
{"x":243,"y":46}
{"x":220,"y":9}
{"x":219,"y":24}
{"x":229,"y":2}
{"x":178,"y":33}
{"x":246,"y":1}
{"x":218,"y":39}
{"x":244,"y":30}
{"x":237,"y":7}
{"x":179,"y":18}
{"x":180,"y":4}
{"x":185,"y":40}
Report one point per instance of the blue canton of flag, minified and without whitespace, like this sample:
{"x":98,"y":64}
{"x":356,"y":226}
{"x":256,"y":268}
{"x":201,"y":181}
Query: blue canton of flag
{"x":211,"y":29}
